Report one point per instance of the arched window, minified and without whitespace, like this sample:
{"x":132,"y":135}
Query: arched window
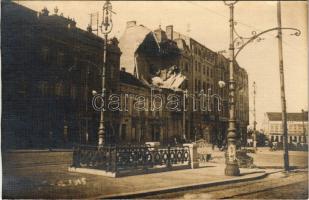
{"x":59,"y":89}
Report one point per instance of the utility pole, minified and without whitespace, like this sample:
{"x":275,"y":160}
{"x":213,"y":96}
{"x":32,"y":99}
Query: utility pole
{"x":304,"y":129}
{"x":283,"y":101}
{"x":254,"y":116}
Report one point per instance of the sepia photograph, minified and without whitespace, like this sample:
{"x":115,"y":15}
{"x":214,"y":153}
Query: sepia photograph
{"x":145,"y":99}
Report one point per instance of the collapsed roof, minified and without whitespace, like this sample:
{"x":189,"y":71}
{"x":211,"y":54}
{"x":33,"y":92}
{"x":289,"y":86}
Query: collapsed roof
{"x":139,"y":41}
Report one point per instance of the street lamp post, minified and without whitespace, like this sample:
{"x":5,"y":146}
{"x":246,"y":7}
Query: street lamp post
{"x":106,"y":28}
{"x":232,"y":168}
{"x":185,"y":93}
{"x":241,"y":42}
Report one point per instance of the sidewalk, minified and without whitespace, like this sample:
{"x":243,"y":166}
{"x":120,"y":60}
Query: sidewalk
{"x":45,"y":175}
{"x":49,"y":181}
{"x":212,"y":175}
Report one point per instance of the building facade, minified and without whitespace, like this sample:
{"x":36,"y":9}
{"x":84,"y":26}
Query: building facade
{"x":297,"y":127}
{"x":49,"y":68}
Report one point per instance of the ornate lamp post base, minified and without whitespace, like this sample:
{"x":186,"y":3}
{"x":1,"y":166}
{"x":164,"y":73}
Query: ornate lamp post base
{"x":232,"y":169}
{"x":101,"y":136}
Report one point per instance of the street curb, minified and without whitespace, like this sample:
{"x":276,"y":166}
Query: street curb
{"x":182,"y":187}
{"x":281,"y":167}
{"x":38,"y":151}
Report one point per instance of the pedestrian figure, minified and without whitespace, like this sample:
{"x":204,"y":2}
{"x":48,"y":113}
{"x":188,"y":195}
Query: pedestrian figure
{"x":175,"y":140}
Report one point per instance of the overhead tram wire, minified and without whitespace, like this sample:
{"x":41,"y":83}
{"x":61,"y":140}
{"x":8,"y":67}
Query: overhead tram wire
{"x":241,"y":23}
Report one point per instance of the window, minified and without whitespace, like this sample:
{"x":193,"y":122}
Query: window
{"x":43,"y":87}
{"x":60,"y":58}
{"x":186,"y":67}
{"x":59,"y":89}
{"x":123,"y":131}
{"x":207,"y":71}
{"x":204,"y":71}
{"x":45,"y":53}
{"x":199,"y":85}
{"x":73,"y":91}
{"x":134,"y":133}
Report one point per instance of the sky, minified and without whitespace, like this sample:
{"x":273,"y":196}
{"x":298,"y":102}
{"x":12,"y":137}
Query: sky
{"x":207,"y":22}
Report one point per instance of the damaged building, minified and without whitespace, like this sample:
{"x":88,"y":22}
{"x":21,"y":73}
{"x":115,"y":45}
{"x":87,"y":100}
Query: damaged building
{"x":151,"y":60}
{"x":170,"y":60}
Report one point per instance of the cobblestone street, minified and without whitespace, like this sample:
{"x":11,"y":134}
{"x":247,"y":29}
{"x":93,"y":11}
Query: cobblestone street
{"x":45,"y":174}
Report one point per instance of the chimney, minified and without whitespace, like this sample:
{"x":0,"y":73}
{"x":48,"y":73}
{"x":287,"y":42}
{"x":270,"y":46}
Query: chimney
{"x":131,"y":24}
{"x":169,"y":32}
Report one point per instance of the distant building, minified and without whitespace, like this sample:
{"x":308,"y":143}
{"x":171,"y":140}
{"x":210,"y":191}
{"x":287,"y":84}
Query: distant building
{"x":297,"y":127}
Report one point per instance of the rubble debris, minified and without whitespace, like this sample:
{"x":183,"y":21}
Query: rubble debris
{"x":170,"y":78}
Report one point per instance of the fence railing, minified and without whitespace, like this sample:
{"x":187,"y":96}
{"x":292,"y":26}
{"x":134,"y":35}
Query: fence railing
{"x":121,"y":158}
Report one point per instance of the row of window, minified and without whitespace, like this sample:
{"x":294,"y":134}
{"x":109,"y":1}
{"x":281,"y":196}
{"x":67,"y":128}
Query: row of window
{"x":277,"y":138}
{"x":199,"y":85}
{"x":185,"y":66}
{"x":206,"y":54}
{"x":59,"y":89}
{"x":61,"y":58}
{"x":206,"y":70}
{"x":291,"y":127}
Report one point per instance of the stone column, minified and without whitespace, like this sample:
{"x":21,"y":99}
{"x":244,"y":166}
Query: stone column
{"x":193,"y":154}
